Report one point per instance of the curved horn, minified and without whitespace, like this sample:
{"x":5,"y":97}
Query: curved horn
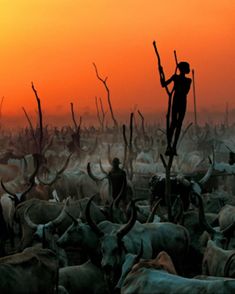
{"x":6,"y":190}
{"x":126,"y":228}
{"x":152,"y":213}
{"x":36,"y":160}
{"x":202,"y":218}
{"x":72,"y":217}
{"x":61,"y":216}
{"x":17,"y":196}
{"x":91,"y":175}
{"x":57,"y":173}
{"x":114,"y":204}
{"x":25,"y":166}
{"x":29,"y":222}
{"x":227,"y":266}
{"x":119,"y":196}
{"x":102,"y":169}
{"x":89,"y":219}
{"x":209,"y":171}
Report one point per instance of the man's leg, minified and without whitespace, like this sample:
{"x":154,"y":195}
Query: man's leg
{"x":172,"y":128}
{"x":178,"y":127}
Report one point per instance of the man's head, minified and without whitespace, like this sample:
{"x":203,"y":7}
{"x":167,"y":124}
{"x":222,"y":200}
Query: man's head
{"x":184,"y":67}
{"x":115,"y":162}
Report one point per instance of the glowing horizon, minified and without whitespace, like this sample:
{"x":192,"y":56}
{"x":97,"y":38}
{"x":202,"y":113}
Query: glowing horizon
{"x":53,"y":43}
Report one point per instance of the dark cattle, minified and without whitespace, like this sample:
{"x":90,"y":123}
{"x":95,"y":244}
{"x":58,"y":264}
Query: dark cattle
{"x":30,"y":272}
{"x":158,"y":276}
{"x":44,"y":213}
{"x":179,"y":186}
{"x":86,"y":278}
{"x":157,"y":188}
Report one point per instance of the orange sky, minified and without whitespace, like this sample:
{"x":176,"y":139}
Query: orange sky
{"x":54,"y":42}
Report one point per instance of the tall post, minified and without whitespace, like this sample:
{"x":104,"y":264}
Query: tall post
{"x":168,"y":165}
{"x":194,"y":99}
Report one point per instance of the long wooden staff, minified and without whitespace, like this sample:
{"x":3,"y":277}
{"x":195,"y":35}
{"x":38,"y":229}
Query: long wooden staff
{"x":176,"y":61}
{"x":194,"y":99}
{"x":169,"y":93}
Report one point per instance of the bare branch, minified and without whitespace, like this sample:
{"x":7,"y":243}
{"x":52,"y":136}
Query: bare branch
{"x":40,"y":118}
{"x":98,"y":112}
{"x":142,"y":121}
{"x":73,"y":117}
{"x":163,"y":161}
{"x":31,"y":128}
{"x":103,"y":113}
{"x":108,"y":96}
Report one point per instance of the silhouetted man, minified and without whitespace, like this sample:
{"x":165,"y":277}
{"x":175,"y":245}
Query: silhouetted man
{"x":180,"y":90}
{"x":117,"y":177}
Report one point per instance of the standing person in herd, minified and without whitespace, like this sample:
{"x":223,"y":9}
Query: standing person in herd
{"x":118,"y":181}
{"x":180,"y":90}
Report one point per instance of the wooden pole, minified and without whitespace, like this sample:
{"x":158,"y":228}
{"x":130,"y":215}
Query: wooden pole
{"x":194,"y":99}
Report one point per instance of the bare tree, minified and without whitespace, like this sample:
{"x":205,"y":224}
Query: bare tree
{"x":100,"y":112}
{"x":142,"y":122}
{"x":167,"y":165}
{"x":76,"y":134}
{"x":104,"y":81}
{"x":37,"y":136}
{"x":40,"y":142}
{"x":128,"y":149}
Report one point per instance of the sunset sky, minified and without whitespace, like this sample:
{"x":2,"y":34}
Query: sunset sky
{"x":54,"y":42}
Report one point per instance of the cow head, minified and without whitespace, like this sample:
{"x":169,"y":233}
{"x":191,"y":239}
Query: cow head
{"x":111,"y":244}
{"x":43,"y":232}
{"x":78,"y":234}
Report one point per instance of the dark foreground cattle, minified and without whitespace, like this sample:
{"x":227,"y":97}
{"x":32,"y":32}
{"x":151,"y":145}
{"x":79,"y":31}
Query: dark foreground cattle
{"x":34,"y":271}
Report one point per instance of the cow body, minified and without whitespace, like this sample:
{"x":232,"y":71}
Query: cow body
{"x":158,"y":276}
{"x":33,"y":271}
{"x":42,"y":212}
{"x":86,"y":278}
{"x":157,"y":188}
{"x":218,"y":262}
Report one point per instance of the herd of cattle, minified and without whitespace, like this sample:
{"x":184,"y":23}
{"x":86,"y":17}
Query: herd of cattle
{"x":62,"y":232}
